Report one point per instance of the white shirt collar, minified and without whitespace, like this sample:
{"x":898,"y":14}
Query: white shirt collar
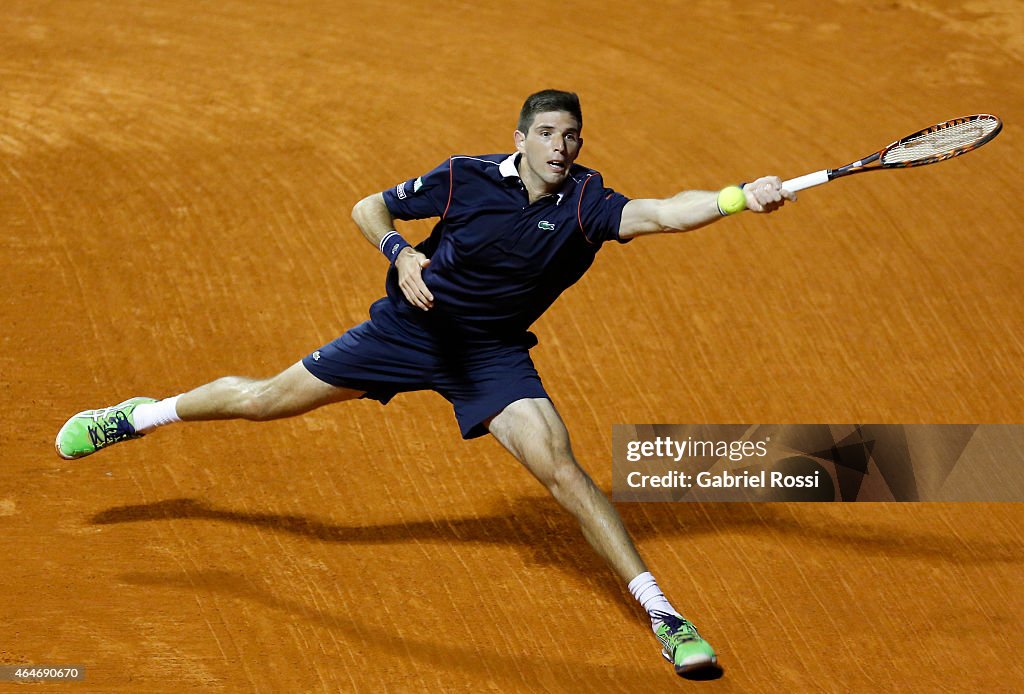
{"x":507,"y":168}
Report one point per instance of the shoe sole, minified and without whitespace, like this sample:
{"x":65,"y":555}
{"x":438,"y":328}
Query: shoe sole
{"x":693,"y":664}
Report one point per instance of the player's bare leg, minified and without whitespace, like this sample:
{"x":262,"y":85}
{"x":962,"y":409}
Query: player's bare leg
{"x":532,"y":431}
{"x":289,"y":393}
{"x":292,"y":392}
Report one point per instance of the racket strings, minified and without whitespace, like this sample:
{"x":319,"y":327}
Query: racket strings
{"x":943,"y":140}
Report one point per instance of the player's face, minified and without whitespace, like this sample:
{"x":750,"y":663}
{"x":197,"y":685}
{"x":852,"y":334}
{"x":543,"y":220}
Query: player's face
{"x":549,"y":148}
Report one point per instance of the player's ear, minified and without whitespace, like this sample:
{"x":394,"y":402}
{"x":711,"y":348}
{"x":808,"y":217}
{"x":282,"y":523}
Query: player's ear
{"x":520,"y":140}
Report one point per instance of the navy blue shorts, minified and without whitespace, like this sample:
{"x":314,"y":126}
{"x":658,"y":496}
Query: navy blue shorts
{"x":387,"y":355}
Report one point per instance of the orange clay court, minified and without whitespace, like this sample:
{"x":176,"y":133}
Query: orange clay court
{"x":175,"y":186}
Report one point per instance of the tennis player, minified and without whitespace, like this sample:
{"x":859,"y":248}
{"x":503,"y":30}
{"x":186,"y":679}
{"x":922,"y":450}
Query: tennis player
{"x":513,"y":232}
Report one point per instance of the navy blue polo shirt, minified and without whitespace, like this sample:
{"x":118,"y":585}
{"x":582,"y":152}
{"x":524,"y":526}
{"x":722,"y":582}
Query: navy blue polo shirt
{"x":498,"y":262}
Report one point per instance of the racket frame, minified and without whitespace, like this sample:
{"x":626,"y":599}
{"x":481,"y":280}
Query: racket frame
{"x":875,"y":162}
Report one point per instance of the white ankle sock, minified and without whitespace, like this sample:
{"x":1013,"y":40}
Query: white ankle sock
{"x":149,"y":416}
{"x":646,"y":591}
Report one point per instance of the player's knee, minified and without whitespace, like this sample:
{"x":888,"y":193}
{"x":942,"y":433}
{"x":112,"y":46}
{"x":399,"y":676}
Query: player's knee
{"x":567,"y":479}
{"x":255,"y":400}
{"x":552,"y":445}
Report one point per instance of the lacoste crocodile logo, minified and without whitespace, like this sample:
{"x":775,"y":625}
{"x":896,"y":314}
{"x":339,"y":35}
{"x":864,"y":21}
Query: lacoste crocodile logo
{"x":546,"y":226}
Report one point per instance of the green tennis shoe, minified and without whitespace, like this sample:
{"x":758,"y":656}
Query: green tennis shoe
{"x":89,"y":431}
{"x":683,"y":646}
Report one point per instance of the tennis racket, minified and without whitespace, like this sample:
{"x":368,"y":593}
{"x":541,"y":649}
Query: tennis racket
{"x":937,"y":143}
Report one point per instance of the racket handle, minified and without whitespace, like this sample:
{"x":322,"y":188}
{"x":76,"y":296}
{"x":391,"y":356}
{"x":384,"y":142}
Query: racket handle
{"x":808,"y":181}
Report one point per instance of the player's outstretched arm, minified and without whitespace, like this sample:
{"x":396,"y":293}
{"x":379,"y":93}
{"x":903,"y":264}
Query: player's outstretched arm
{"x":692,"y":209}
{"x":374,"y":219}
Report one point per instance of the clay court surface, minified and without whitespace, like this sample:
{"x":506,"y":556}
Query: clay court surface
{"x":175,"y":187}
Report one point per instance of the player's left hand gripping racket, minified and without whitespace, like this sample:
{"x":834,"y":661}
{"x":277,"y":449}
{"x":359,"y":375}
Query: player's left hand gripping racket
{"x":937,"y":143}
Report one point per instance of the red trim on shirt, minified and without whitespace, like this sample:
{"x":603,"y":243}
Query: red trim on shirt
{"x":579,"y":205}
{"x":451,"y":186}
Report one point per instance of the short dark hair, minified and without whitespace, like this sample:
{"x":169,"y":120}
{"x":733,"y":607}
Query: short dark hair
{"x":549,"y":100}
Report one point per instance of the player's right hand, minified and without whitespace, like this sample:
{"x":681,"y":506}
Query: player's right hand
{"x":766,"y":194}
{"x":410,"y":264}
